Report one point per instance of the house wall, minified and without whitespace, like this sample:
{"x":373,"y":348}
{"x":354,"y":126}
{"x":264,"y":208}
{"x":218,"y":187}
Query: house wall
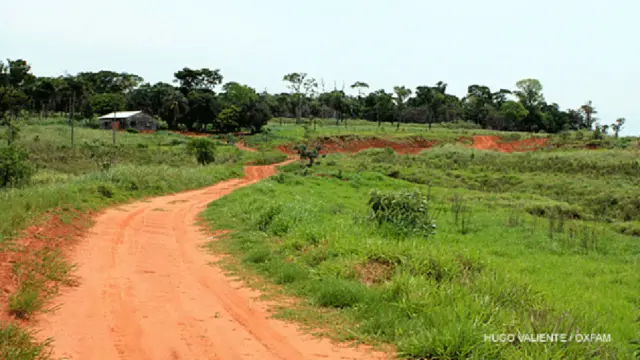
{"x":142,"y":122}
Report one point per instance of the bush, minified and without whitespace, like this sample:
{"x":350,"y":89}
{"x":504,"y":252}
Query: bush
{"x":407,"y":211}
{"x":203,"y":149}
{"x":14,"y":166}
{"x":133,"y":131}
{"x":307,"y":154}
{"x":163,"y":125}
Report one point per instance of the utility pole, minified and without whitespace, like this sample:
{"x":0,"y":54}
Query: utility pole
{"x":71,"y":120}
{"x":113,"y":123}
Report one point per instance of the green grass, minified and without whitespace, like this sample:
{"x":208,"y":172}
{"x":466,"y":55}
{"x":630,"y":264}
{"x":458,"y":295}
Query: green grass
{"x":18,"y":344}
{"x":493,"y":267}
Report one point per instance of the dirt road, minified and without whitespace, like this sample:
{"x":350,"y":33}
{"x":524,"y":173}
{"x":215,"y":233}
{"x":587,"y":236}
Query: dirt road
{"x":147,"y":292}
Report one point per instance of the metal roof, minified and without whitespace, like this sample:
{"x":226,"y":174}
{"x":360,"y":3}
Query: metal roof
{"x":119,"y":115}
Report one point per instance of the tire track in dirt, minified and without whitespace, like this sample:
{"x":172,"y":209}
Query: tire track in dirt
{"x":147,"y":292}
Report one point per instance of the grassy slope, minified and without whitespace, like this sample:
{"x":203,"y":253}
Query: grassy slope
{"x":506,"y":272}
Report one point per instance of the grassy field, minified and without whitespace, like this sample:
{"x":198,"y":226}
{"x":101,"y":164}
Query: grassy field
{"x":531,"y":243}
{"x":543,"y":242}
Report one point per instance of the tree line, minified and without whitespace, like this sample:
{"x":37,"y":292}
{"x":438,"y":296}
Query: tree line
{"x":193,"y":101}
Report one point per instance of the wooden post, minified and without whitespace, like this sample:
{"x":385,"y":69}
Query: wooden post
{"x":71,"y":120}
{"x":113,"y":124}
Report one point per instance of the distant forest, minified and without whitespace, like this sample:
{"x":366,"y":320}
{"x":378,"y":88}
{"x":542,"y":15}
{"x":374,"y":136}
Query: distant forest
{"x":199,"y":100}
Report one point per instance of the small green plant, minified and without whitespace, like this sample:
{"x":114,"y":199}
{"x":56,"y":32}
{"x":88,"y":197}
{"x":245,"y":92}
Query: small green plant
{"x":133,"y":131}
{"x":26,"y":300}
{"x":182,"y":128}
{"x":14,"y":166}
{"x":407,"y":211}
{"x":203,"y":149}
{"x":461,"y":214}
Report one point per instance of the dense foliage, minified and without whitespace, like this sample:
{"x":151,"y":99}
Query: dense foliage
{"x":194,"y":103}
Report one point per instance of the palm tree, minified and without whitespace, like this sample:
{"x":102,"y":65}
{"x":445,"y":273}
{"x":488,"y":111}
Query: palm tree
{"x":618,"y":126}
{"x":177,"y":104}
{"x":589,"y":111}
{"x":402,"y":93}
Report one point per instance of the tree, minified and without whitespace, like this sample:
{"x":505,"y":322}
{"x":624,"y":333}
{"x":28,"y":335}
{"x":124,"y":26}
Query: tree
{"x":237,"y":94}
{"x":190,"y":79}
{"x":105,"y":81}
{"x":514,"y":113}
{"x":204,"y":107}
{"x":105,"y":103}
{"x":381,"y":107}
{"x":175,"y":105}
{"x":228,"y":120}
{"x":300,"y":85}
{"x":256,"y":115}
{"x":617,"y":126}
{"x":359,"y":85}
{"x":477,"y":104}
{"x":529,"y":92}
{"x":588,"y":110}
{"x":402,"y":93}
{"x":203,"y":149}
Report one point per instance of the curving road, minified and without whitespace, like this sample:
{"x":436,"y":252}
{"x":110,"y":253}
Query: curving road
{"x":147,"y":292}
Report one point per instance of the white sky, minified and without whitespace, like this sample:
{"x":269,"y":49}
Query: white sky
{"x":579,"y":50}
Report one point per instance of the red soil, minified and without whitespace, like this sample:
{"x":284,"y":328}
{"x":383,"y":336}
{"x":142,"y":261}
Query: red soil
{"x":50,"y":234}
{"x":192,"y":134}
{"x":492,"y":143}
{"x":242,"y":146}
{"x":344,"y":144}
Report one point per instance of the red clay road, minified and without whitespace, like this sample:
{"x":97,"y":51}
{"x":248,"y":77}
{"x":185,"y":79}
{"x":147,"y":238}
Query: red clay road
{"x":147,"y":292}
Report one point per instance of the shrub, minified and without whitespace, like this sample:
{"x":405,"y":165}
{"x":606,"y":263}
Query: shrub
{"x":163,"y":125}
{"x":14,"y":166}
{"x":133,"y":131}
{"x":407,"y":211}
{"x":203,"y":149}
{"x":307,"y":154}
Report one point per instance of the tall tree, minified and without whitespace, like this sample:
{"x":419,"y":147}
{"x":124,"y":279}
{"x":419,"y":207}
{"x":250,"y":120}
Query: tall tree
{"x":589,"y":110}
{"x":402,"y":93}
{"x":360,"y":86}
{"x":202,"y":79}
{"x":617,"y":126}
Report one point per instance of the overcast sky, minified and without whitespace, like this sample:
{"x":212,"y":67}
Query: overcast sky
{"x":579,"y":49}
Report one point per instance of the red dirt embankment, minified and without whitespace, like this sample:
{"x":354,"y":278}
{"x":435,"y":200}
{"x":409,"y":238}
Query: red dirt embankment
{"x":347,"y":144}
{"x":483,"y":142}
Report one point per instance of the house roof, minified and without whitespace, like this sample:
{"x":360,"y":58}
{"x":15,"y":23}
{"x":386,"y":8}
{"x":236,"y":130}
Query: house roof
{"x":119,"y":115}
